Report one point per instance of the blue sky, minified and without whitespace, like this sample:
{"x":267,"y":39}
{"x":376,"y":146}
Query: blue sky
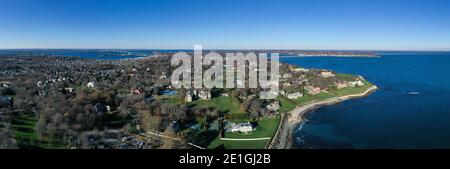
{"x":226,"y":24}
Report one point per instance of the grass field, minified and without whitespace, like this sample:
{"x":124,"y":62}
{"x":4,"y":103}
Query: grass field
{"x":288,"y":105}
{"x":227,"y":105}
{"x":24,"y":133}
{"x":171,"y":100}
{"x":352,"y":90}
{"x":265,"y":128}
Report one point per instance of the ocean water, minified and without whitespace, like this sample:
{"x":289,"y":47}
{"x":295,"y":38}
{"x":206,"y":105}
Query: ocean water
{"x":410,"y":110}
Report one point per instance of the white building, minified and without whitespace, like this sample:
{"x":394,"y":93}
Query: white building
{"x":299,"y":70}
{"x":194,"y":95}
{"x":242,"y":127}
{"x":204,"y":94}
{"x":5,"y":84}
{"x":69,"y":89}
{"x":313,"y":90}
{"x":327,"y":74}
{"x":340,"y":85}
{"x":90,"y":85}
{"x":287,"y":75}
{"x":287,"y":84}
{"x":274,"y":106}
{"x":163,"y":76}
{"x":188,"y":98}
{"x":295,"y":95}
{"x":357,"y":83}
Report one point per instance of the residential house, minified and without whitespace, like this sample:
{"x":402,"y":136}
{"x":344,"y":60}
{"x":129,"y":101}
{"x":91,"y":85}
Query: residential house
{"x":287,"y":75}
{"x":5,"y":84}
{"x":242,"y":127}
{"x":299,"y":70}
{"x":327,"y":74}
{"x":313,"y":90}
{"x":189,"y":97}
{"x":287,"y":84}
{"x":204,"y":94}
{"x":295,"y":95}
{"x":137,"y":91}
{"x":357,"y":83}
{"x":90,"y":84}
{"x":341,"y":84}
{"x":274,"y":106}
{"x":69,"y":89}
{"x":163,"y":75}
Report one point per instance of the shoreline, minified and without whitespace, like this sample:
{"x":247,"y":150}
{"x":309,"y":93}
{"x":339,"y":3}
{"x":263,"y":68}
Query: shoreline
{"x":284,"y":135}
{"x":337,"y":56}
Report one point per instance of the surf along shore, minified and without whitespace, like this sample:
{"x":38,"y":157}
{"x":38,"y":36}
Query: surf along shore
{"x":284,"y":136}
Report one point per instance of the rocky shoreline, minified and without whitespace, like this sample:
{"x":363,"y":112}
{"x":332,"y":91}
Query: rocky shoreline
{"x":284,"y":136}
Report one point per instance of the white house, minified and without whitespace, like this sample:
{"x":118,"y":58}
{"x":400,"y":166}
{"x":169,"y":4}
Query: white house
{"x":299,"y":70}
{"x":340,"y":84}
{"x":90,"y":85}
{"x":274,"y":106}
{"x":5,"y":84}
{"x":189,"y":97}
{"x":327,"y":74}
{"x":69,"y":89}
{"x":357,"y":83}
{"x":242,"y":127}
{"x":204,"y":94}
{"x":313,"y":90}
{"x":287,"y":84}
{"x":295,"y":95}
{"x":163,"y":75}
{"x":287,"y":75}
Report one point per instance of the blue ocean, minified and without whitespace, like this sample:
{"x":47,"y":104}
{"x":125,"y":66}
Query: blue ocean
{"x":411,"y":109}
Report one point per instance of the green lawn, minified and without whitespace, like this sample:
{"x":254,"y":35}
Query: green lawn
{"x":171,"y":100}
{"x":228,"y":105}
{"x":265,"y":128}
{"x":288,"y":105}
{"x":24,"y":133}
{"x":347,"y":76}
{"x":260,"y":144}
{"x":352,"y":90}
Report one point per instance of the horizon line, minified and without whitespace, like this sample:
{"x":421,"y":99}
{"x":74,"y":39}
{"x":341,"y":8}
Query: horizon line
{"x":399,"y":50}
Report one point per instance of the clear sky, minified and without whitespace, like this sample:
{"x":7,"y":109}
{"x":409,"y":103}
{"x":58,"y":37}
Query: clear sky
{"x":226,"y":24}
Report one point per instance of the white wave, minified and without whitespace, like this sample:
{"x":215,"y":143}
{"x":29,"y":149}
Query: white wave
{"x":414,"y":93}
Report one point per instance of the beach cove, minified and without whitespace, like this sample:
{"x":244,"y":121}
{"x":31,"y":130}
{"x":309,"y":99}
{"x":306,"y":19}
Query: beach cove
{"x":284,"y":136}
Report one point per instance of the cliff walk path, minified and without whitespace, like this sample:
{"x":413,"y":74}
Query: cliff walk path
{"x":245,"y":139}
